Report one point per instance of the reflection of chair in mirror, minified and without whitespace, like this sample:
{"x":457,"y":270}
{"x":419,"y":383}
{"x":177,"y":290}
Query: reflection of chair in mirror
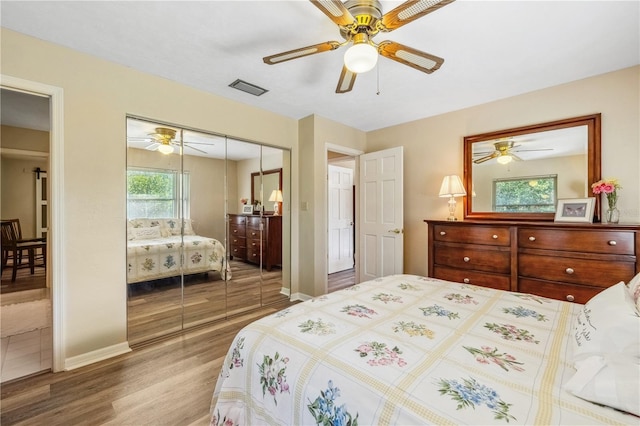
{"x":14,"y":247}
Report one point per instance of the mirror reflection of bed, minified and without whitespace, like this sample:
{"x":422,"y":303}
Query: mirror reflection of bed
{"x":180,"y":271}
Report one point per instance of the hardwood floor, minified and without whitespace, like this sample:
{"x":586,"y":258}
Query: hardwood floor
{"x":156,"y":308}
{"x":169,"y":382}
{"x":340,"y":280}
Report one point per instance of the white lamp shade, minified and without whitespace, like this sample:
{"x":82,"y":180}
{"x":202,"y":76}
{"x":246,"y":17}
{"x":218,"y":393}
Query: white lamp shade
{"x":452,"y":187}
{"x":165,"y":149}
{"x":360,"y":57}
{"x":276,"y":195}
{"x":504,"y":159}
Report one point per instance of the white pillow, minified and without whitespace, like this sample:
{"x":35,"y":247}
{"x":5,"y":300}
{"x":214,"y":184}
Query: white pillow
{"x":613,"y":381}
{"x":634,"y":289}
{"x":146,"y":233}
{"x":608,"y":323}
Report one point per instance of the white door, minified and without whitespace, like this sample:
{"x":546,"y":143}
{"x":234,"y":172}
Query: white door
{"x":41,"y":204}
{"x":381,"y":213}
{"x":340,"y":204}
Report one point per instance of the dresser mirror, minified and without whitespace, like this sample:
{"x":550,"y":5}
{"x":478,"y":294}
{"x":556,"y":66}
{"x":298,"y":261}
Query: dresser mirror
{"x":520,"y":173}
{"x":262,"y":186}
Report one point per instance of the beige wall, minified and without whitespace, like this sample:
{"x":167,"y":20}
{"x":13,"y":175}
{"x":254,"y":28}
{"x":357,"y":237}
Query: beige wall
{"x":23,"y":150}
{"x":97,"y":97}
{"x":433,"y":146}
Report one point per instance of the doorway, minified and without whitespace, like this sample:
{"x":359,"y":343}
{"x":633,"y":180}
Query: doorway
{"x":341,"y":220}
{"x":25,"y":292}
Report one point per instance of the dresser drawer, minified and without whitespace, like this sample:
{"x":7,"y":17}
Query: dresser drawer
{"x":490,"y":235}
{"x":484,"y":279}
{"x":488,"y":259}
{"x":235,"y":241}
{"x":566,"y":292}
{"x":236,"y":231}
{"x":239,"y":252}
{"x":255,"y":223}
{"x":253,"y":233}
{"x":235,"y":219}
{"x":598,"y":273}
{"x":608,"y":242}
{"x":253,"y":254}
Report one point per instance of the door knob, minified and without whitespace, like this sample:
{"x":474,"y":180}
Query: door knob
{"x":396,"y":231}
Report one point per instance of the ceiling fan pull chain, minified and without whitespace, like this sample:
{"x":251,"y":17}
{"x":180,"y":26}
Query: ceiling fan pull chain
{"x":378,"y":79}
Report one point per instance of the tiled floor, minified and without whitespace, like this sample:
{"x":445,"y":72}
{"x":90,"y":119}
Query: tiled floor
{"x":26,"y":353}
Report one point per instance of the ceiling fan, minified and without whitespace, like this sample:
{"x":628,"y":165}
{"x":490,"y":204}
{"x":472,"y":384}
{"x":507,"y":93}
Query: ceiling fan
{"x":361,"y":20}
{"x":503,"y":152}
{"x":163,"y":140}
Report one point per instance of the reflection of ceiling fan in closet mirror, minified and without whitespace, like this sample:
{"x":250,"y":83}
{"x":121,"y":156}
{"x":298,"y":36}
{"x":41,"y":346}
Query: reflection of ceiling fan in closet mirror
{"x":153,"y":137}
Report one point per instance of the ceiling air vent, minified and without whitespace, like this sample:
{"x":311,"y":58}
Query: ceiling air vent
{"x":248,"y":87}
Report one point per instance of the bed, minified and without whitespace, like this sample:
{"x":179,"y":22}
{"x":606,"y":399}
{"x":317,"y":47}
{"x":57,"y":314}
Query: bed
{"x":411,"y":350}
{"x":155,"y":248}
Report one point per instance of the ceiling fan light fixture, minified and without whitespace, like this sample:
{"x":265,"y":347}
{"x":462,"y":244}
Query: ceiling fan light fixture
{"x":504,"y":159}
{"x":362,"y":56}
{"x":165,"y":149}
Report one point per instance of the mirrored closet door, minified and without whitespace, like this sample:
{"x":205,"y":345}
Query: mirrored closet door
{"x":204,"y":241}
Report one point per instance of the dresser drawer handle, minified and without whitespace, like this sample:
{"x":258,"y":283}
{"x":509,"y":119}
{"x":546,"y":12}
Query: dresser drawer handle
{"x":532,"y":238}
{"x":253,"y":234}
{"x":570,"y":298}
{"x":466,"y":280}
{"x":443,"y":233}
{"x":466,"y":259}
{"x":569,"y":271}
{"x":494,"y":236}
{"x":612,"y":243}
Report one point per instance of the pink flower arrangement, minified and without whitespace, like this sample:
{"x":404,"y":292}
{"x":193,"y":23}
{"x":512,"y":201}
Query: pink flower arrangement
{"x":609,"y":187}
{"x":244,"y":200}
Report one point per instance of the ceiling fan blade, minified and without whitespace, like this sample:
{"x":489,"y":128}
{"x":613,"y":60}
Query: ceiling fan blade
{"x":409,"y":56}
{"x":347,"y":78}
{"x":515,"y":157}
{"x":336,"y":11}
{"x":299,"y":53}
{"x":410,"y":11}
{"x":186,"y":145}
{"x":487,"y":158}
{"x":152,"y":147}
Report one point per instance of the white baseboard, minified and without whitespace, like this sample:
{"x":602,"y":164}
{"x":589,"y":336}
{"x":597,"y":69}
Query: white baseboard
{"x":285,"y":291}
{"x":300,"y":296}
{"x":95,"y":356}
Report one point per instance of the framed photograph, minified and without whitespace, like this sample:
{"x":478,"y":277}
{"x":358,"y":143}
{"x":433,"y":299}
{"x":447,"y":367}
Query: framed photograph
{"x":575,"y":210}
{"x":247,"y":209}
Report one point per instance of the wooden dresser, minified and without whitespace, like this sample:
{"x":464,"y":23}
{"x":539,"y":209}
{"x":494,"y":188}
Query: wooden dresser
{"x":247,"y":242}
{"x":558,"y":260}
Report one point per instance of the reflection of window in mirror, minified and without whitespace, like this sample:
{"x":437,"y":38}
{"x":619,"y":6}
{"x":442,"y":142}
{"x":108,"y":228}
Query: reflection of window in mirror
{"x":528,"y":194}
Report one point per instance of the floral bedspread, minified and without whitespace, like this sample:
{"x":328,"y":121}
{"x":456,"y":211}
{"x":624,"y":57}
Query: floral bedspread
{"x":407,"y":350}
{"x":162,"y":257}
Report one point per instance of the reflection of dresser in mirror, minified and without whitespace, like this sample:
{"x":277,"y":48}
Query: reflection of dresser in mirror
{"x":246,"y":241}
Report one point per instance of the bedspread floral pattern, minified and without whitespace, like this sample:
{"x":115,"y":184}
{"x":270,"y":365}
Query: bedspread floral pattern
{"x":273,"y":376}
{"x":469,"y":393}
{"x":379,"y":354}
{"x":402,"y":350}
{"x":325,"y":411}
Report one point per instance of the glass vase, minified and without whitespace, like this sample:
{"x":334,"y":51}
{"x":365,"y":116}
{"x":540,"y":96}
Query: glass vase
{"x":613,"y":215}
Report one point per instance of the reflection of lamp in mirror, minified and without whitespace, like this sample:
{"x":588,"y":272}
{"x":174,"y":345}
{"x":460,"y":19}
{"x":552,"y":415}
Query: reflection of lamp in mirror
{"x":452,"y":187}
{"x":276,"y":196}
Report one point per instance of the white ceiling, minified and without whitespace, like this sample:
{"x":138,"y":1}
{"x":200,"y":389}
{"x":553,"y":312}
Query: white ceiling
{"x":492,"y":50}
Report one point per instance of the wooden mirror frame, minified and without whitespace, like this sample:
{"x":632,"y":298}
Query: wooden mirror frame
{"x":593,"y":162}
{"x":265,"y":172}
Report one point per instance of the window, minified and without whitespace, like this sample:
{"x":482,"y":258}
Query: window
{"x":156,"y":193}
{"x":525,"y":194}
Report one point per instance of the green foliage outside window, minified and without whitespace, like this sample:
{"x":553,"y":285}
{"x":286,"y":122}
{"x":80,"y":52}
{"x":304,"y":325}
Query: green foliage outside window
{"x":154,"y":193}
{"x":530,"y":194}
